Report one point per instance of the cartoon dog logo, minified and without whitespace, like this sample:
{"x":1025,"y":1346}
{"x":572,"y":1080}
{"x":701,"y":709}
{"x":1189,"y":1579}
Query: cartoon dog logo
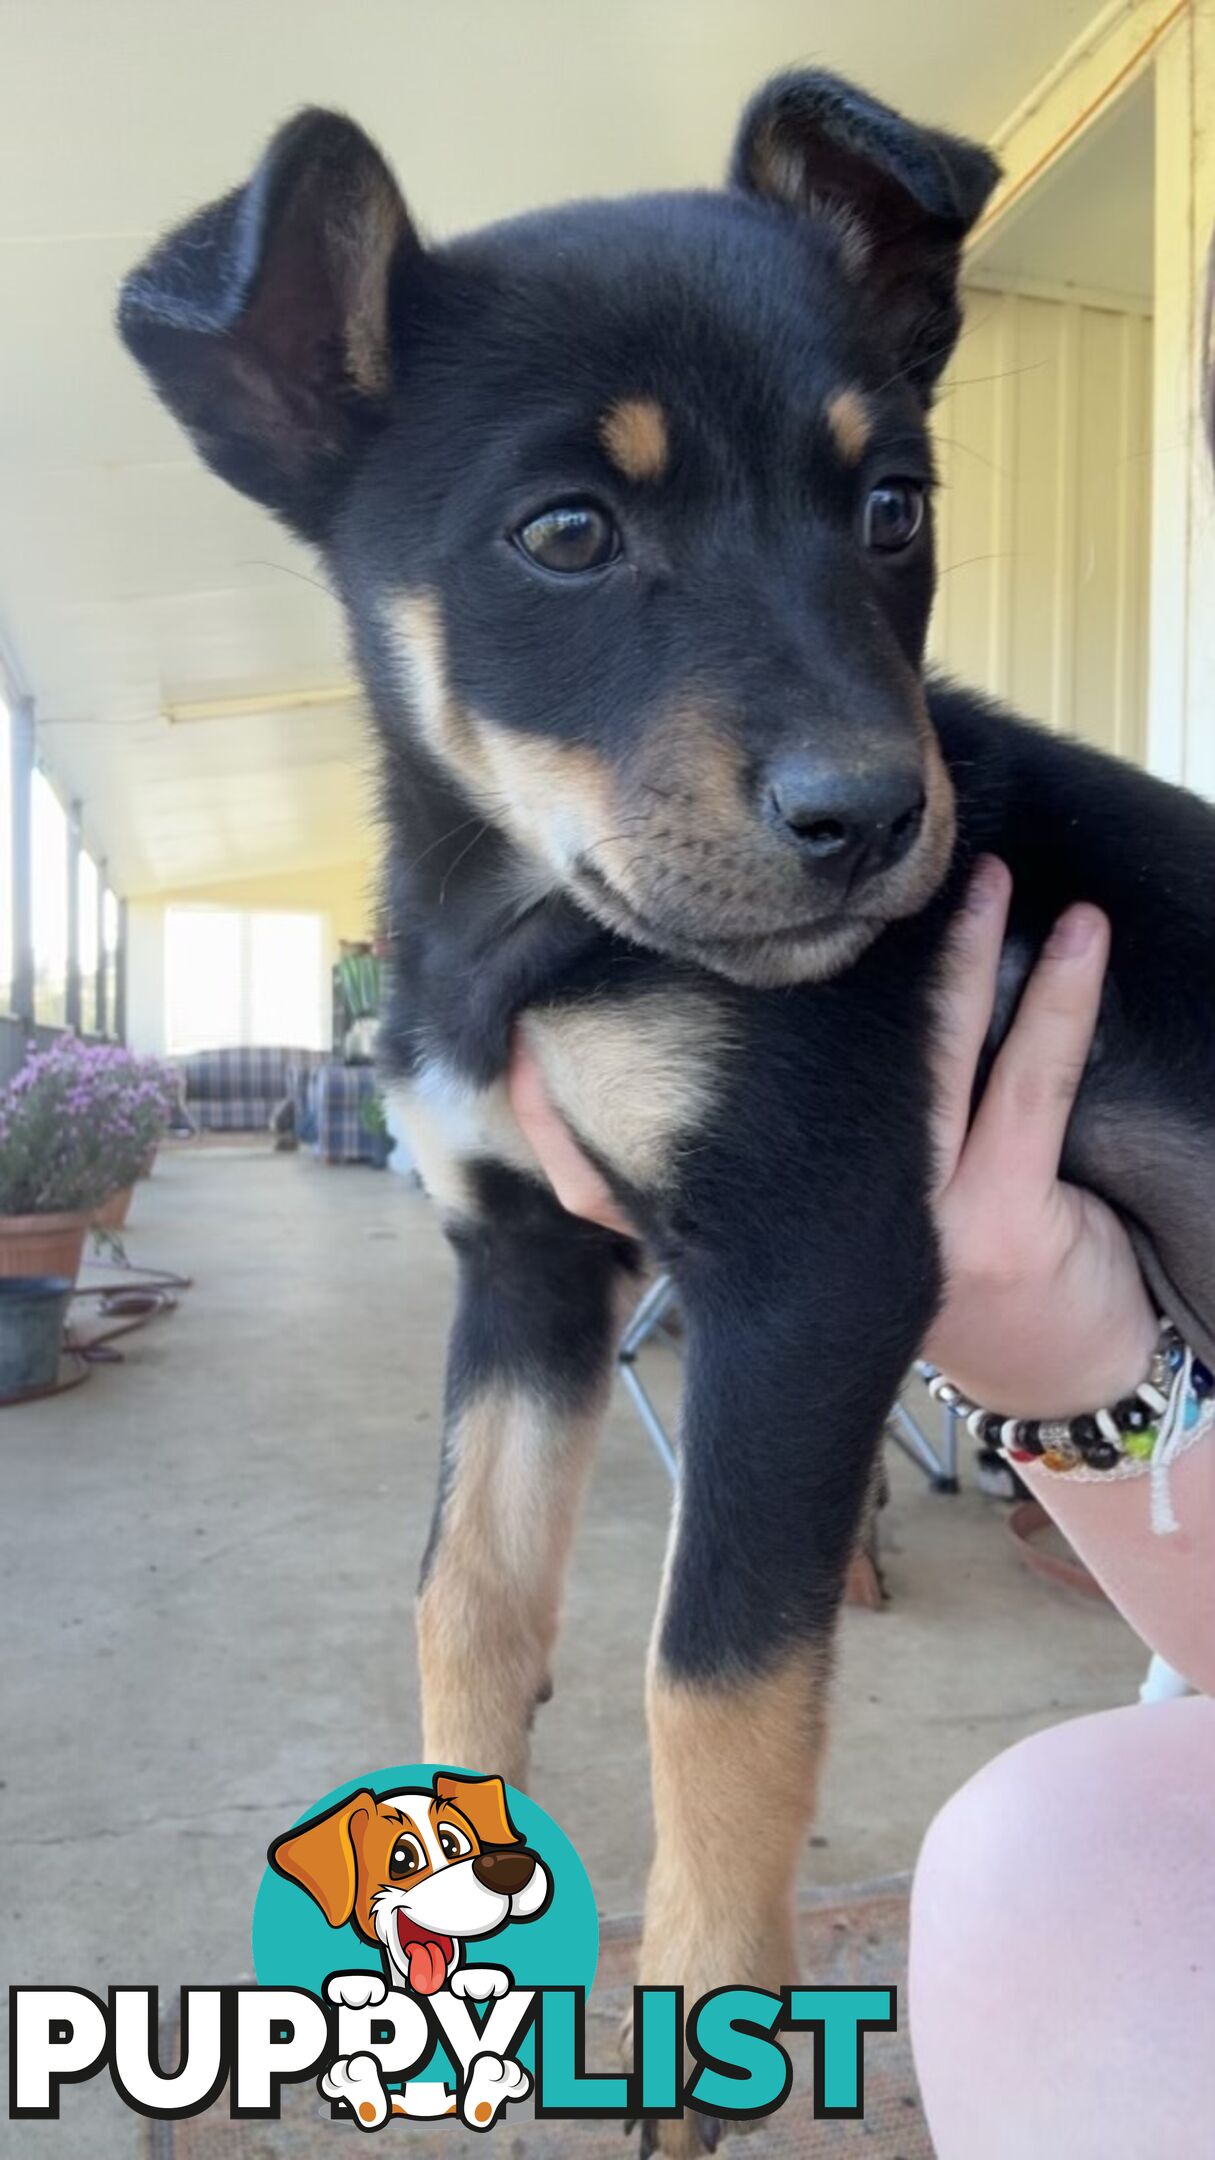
{"x":420,"y":1873}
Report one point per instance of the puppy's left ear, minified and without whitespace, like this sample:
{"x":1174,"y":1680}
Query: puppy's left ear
{"x":265,"y":320}
{"x":902,"y":197}
{"x":483,"y":1801}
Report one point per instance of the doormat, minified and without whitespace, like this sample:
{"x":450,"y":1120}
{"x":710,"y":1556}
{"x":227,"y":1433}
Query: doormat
{"x":849,"y":1938}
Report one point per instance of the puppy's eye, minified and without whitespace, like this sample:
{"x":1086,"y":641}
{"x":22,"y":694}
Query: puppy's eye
{"x":406,"y":1859}
{"x":453,"y":1842}
{"x":893,"y":515}
{"x":570,"y":539}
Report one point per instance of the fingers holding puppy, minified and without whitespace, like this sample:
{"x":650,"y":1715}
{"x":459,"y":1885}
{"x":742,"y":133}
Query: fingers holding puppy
{"x":573,"y":1177}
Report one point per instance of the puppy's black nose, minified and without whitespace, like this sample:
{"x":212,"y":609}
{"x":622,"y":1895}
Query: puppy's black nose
{"x":846,"y":825}
{"x":507,"y":1872}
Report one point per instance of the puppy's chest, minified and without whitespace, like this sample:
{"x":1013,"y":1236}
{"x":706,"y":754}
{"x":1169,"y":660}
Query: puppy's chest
{"x":636,"y":1078}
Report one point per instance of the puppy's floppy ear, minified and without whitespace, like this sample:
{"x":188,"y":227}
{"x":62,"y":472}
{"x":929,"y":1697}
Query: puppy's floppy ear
{"x":903,"y":197}
{"x":264,"y":321}
{"x":483,"y":1801}
{"x":321,"y":1856}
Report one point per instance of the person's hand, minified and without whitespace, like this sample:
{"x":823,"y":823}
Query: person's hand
{"x":1045,"y":1313}
{"x":573,"y":1177}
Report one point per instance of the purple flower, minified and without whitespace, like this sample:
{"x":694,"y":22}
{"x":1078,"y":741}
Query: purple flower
{"x":76,"y":1121}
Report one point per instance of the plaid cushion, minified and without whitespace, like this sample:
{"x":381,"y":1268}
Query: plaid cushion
{"x":339,"y":1094}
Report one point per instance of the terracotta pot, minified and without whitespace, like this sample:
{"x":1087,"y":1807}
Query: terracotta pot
{"x":114,"y":1209}
{"x":42,"y":1244}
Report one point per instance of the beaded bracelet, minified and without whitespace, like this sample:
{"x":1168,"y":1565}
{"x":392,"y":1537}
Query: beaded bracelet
{"x":1169,"y":1402}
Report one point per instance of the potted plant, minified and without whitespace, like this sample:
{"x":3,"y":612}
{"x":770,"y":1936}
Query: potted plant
{"x":75,"y":1122}
{"x":375,"y":1124}
{"x":358,"y":973}
{"x":141,"y":1097}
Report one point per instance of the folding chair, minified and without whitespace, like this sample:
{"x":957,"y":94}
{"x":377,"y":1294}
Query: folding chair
{"x":653,"y":1318}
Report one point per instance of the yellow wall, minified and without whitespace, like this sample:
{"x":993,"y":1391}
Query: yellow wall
{"x":1044,"y":527}
{"x":343,"y":893}
{"x":1175,"y":41}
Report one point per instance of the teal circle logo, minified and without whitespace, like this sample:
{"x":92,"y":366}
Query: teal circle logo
{"x":420,"y":1874}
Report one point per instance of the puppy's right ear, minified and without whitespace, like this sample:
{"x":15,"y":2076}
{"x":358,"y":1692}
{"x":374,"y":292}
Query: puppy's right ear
{"x":322,"y":1856}
{"x":265,"y":320}
{"x":903,"y":196}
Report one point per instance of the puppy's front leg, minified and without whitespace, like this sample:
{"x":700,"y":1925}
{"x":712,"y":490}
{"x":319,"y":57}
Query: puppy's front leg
{"x":528,"y":1375}
{"x":790,"y":1376}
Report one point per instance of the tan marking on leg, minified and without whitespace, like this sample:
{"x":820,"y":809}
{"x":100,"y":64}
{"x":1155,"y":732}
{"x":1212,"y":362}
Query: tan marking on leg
{"x":635,"y":435}
{"x":851,"y":424}
{"x":735,"y":1769}
{"x":489,"y":1609}
{"x":636,"y":1077}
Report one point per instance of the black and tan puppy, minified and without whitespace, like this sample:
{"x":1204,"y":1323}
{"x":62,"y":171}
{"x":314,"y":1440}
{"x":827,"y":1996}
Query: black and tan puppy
{"x":630,"y":507}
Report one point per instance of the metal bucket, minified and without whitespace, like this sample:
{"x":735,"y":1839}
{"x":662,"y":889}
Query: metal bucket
{"x":32,"y":1312}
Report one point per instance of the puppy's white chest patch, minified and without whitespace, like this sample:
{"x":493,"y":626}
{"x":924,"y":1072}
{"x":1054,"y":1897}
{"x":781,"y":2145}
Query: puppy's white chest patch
{"x":449,"y":1124}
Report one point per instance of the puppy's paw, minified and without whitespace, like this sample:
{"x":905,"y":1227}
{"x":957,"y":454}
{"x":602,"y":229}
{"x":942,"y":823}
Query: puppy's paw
{"x":682,"y":2138}
{"x":492,"y":2081}
{"x":356,"y":1990}
{"x":479,"y":1983}
{"x":356,"y":2080}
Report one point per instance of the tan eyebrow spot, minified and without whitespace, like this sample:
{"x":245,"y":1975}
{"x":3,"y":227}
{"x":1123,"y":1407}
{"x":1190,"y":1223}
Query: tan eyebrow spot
{"x":634,"y":434}
{"x":850,"y":423}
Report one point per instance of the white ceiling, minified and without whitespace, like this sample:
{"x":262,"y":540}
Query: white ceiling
{"x":129,"y":578}
{"x":1090,"y":220}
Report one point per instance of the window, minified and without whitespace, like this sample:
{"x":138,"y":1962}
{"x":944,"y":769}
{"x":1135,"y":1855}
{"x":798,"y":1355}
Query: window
{"x":109,"y":927}
{"x":237,"y":975}
{"x":89,"y":902}
{"x":6,"y":859}
{"x":49,"y":909}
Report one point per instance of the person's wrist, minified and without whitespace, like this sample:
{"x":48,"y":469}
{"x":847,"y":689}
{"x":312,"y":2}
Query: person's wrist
{"x":1052,"y":1372}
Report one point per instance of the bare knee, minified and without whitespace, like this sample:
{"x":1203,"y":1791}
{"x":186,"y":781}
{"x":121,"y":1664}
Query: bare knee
{"x":1063,"y":1892}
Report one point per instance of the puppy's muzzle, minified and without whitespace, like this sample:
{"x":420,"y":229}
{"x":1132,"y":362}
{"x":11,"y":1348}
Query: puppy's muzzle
{"x":505,"y":1872}
{"x":847,"y":825}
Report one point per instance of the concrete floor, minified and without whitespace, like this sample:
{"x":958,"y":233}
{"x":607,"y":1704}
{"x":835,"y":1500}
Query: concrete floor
{"x":207,"y":1558}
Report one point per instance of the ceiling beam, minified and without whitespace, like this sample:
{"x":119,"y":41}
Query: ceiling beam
{"x":186,"y":711}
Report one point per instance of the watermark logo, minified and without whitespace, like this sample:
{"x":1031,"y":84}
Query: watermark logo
{"x":456,"y":1898}
{"x":424,"y":1940}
